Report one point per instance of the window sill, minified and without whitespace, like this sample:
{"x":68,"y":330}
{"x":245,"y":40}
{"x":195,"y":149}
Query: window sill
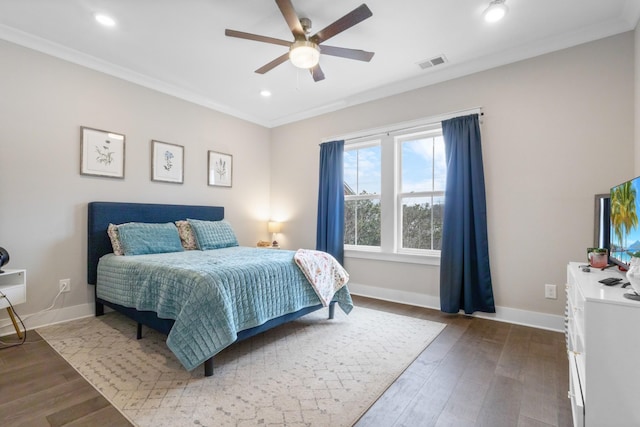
{"x":392,"y":257}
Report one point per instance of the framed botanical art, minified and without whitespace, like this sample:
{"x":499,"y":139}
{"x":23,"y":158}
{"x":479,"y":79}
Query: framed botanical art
{"x":220,"y":167}
{"x":101,"y":153}
{"x":167,"y":162}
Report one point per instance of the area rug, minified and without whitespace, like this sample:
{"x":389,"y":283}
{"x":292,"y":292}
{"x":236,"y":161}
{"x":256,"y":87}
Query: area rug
{"x":310,"y":372}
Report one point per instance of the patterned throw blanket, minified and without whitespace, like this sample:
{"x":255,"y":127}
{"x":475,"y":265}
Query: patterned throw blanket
{"x":323,"y":271}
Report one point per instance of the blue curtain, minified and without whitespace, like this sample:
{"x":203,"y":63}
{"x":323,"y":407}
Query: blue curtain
{"x":465,"y":277}
{"x":330,"y":231}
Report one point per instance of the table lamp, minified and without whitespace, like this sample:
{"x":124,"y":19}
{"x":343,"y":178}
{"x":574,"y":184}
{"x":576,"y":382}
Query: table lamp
{"x":274,"y":227}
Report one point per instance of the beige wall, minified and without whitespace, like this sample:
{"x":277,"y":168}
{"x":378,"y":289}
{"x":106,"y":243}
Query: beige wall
{"x":557,"y":129}
{"x":555,"y":132}
{"x":43,"y":198}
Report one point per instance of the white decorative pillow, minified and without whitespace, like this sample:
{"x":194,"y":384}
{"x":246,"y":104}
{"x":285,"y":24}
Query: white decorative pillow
{"x":112,"y":231}
{"x":187,"y":237}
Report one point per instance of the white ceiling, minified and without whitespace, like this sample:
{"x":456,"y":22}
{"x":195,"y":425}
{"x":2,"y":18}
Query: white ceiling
{"x":179,"y":47}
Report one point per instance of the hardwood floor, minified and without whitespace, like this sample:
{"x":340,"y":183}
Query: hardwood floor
{"x":39,"y":388}
{"x":475,"y":373}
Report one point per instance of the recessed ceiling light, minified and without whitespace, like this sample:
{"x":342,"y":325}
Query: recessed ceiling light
{"x":105,"y":20}
{"x":496,"y":11}
{"x":265,"y":93}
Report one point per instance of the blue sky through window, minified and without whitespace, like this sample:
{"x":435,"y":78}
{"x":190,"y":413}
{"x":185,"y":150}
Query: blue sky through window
{"x":423,"y":167}
{"x":362,"y":169}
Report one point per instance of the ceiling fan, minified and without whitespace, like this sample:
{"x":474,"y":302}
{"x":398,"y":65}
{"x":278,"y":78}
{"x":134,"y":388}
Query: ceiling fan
{"x":304,"y":50}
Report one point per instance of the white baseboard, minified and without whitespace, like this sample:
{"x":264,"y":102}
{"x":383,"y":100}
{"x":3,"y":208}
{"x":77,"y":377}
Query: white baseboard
{"x":503,"y":314}
{"x":46,"y":318}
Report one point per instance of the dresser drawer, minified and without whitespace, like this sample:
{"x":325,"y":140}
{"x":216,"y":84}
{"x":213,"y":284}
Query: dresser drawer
{"x":575,"y":319}
{"x":575,"y":391}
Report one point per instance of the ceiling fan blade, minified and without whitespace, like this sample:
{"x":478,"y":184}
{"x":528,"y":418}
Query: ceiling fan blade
{"x":249,"y":36}
{"x":273,"y":64}
{"x":343,"y":52}
{"x":352,"y":18}
{"x":317,"y":73}
{"x":290,"y":15}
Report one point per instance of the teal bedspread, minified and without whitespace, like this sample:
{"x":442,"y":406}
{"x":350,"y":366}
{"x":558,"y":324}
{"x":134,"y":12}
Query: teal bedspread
{"x":211,"y":295}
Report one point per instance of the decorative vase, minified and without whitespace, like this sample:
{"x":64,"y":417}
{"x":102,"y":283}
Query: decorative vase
{"x":633,"y":274}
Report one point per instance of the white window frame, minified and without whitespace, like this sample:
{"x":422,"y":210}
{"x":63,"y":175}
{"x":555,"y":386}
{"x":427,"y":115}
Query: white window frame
{"x":432,"y":131}
{"x":357,"y":146}
{"x":390,"y":248}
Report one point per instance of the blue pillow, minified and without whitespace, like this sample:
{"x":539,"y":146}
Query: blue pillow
{"x":213,"y":234}
{"x":139,"y":238}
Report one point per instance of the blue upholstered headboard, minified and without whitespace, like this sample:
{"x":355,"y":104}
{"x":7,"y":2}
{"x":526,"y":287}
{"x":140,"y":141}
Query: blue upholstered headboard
{"x":102,"y":213}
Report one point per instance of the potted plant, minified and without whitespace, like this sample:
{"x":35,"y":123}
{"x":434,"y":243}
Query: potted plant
{"x":598,"y":257}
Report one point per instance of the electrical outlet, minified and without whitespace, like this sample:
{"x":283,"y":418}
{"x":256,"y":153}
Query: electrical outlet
{"x":550,"y":292}
{"x":65,"y":285}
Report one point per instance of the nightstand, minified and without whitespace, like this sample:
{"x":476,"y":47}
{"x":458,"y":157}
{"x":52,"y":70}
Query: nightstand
{"x":13,"y":284}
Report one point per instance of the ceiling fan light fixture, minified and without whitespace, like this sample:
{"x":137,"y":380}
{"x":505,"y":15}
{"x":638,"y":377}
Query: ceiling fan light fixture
{"x":304,"y":54}
{"x":496,"y":11}
{"x":105,"y":20}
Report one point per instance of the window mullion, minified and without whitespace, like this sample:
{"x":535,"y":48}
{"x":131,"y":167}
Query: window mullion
{"x":387,"y":198}
{"x":433,"y":187}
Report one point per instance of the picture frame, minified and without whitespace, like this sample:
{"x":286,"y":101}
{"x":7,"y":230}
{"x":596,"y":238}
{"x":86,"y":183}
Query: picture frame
{"x":102,"y":153}
{"x":220,"y":169}
{"x":167,"y":162}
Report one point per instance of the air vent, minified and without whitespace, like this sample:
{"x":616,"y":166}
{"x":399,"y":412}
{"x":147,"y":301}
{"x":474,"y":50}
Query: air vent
{"x":437,"y":60}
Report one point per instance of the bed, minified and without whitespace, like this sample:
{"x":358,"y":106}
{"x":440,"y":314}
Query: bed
{"x":202,"y":300}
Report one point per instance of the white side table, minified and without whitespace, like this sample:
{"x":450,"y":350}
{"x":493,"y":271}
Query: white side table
{"x":13,"y":284}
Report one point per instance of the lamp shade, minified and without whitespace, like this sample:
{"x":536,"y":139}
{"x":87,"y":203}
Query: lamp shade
{"x":4,"y":257}
{"x":304,"y":54}
{"x":274,"y":227}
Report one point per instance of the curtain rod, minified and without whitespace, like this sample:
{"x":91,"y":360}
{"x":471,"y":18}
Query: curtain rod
{"x":398,"y":127}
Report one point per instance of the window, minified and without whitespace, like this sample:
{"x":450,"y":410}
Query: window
{"x":394,"y":192}
{"x":362,"y":194}
{"x":421,"y":195}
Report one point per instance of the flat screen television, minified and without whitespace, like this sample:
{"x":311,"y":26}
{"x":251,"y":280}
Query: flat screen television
{"x":624,"y":211}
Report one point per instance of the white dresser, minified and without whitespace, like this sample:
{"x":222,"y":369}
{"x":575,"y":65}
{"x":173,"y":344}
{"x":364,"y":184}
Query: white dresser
{"x":603,"y":331}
